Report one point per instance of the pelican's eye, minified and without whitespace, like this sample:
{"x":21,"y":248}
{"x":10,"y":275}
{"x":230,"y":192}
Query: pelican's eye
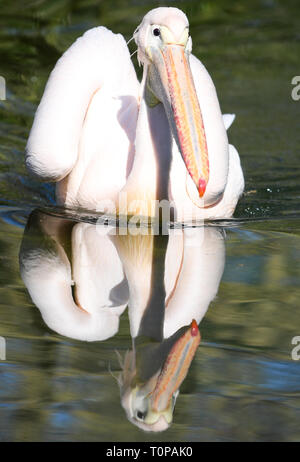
{"x":156,"y":31}
{"x":141,"y":415}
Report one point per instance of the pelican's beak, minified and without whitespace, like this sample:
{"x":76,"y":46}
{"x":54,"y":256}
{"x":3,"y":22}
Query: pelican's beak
{"x":173,"y":373}
{"x":170,"y":80}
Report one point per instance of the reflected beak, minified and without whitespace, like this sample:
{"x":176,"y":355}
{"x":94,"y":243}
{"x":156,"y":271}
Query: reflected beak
{"x":171,"y":80}
{"x":174,"y":371}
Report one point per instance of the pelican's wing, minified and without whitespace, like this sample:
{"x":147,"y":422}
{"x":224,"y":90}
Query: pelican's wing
{"x":233,"y":191}
{"x":92,"y":309}
{"x":99,"y":58}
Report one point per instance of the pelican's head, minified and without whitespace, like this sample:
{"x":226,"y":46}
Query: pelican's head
{"x":162,"y":26}
{"x":164,"y":46}
{"x":150,"y":405}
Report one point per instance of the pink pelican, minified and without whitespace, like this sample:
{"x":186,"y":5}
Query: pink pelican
{"x":100,"y":134}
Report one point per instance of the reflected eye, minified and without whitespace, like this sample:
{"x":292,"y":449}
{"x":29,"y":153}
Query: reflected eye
{"x":140,"y":415}
{"x":156,"y":32}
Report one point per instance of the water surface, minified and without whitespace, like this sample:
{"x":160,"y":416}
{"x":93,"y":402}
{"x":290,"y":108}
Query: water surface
{"x":243,"y":383}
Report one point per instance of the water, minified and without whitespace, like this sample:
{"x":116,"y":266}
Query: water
{"x":242,"y":383}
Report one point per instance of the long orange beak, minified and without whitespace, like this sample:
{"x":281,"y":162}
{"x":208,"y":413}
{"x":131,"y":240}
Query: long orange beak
{"x":175,"y":368}
{"x":172,"y":82}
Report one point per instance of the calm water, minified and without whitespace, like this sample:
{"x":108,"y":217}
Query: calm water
{"x":242,"y":383}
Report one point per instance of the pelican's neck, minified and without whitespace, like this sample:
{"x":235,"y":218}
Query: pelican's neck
{"x":149,"y":178}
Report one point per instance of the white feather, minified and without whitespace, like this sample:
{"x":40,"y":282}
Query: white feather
{"x":228,"y":120}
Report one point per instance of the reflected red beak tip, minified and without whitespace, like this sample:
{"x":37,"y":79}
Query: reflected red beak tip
{"x":194,"y":328}
{"x":201,"y":187}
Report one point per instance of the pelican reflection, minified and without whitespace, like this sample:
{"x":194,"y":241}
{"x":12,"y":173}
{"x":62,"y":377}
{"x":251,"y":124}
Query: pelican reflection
{"x":82,"y":276}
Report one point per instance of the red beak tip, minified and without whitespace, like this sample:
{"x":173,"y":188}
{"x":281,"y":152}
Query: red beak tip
{"x":202,"y":187}
{"x":194,"y":328}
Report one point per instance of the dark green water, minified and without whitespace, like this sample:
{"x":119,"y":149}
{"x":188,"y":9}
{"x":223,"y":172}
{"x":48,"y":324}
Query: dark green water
{"x":243,"y":383}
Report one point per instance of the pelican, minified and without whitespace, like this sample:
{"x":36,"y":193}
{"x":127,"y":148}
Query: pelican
{"x":102,"y":136}
{"x":81,"y":278}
